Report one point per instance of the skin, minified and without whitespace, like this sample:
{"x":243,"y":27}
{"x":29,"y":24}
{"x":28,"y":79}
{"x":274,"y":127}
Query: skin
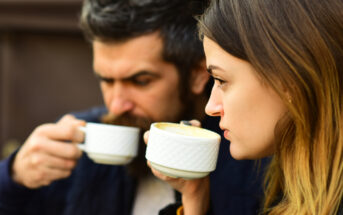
{"x":249,"y":112}
{"x":133,"y":79}
{"x":195,"y":193}
{"x":45,"y":157}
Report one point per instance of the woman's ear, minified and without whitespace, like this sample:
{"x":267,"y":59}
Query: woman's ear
{"x":199,"y":78}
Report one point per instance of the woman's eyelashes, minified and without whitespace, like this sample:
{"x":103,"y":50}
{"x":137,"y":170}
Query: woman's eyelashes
{"x":219,"y":82}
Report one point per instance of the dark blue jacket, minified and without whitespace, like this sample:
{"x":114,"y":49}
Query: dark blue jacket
{"x":95,"y":189}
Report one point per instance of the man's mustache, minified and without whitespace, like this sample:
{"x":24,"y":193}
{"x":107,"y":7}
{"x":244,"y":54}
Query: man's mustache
{"x":127,"y":119}
{"x":137,"y":167}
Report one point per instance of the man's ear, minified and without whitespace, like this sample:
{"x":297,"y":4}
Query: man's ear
{"x":199,"y":78}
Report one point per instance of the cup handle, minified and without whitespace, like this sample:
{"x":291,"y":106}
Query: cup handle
{"x":82,"y":146}
{"x":83,"y":129}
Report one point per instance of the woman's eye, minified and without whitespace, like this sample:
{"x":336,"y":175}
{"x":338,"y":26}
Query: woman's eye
{"x":220,"y":82}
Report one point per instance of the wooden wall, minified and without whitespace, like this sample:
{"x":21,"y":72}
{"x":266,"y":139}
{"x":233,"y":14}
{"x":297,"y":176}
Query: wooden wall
{"x":45,"y":67}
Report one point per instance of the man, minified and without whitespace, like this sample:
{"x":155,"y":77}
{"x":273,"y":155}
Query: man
{"x":151,"y":67}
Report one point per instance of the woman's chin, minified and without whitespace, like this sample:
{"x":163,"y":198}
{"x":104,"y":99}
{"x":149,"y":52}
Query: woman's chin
{"x":240,"y":153}
{"x":248,"y":153}
{"x":237,"y":153}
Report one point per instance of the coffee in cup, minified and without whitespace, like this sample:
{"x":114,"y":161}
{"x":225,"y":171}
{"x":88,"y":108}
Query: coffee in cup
{"x":184,"y":151}
{"x":110,"y":144}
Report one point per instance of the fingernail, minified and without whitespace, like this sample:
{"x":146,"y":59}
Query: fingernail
{"x":185,"y":122}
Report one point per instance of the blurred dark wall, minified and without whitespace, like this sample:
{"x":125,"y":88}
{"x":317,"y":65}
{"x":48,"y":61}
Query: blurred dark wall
{"x":45,"y":66}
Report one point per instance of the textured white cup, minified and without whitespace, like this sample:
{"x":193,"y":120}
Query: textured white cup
{"x":110,"y":144}
{"x":182,"y":151}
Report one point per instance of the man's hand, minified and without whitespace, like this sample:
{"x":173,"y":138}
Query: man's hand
{"x":195,"y":193}
{"x":46,"y":155}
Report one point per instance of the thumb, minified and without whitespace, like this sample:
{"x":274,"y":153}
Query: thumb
{"x":146,"y":137}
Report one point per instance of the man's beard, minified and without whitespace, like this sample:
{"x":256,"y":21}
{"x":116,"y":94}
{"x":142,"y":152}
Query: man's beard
{"x":138,"y":167}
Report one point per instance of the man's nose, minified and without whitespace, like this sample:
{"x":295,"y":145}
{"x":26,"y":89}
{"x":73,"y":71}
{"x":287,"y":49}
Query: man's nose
{"x":121,"y":101}
{"x":214,"y":106}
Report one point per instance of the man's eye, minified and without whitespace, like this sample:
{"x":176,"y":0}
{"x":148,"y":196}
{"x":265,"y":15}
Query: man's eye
{"x":107,"y":81}
{"x":141,"y":82}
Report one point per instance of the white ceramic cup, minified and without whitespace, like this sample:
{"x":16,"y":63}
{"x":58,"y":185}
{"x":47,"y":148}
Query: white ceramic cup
{"x":184,"y":151}
{"x":110,"y":144}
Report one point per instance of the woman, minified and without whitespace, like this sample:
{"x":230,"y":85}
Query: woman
{"x":278,"y":70}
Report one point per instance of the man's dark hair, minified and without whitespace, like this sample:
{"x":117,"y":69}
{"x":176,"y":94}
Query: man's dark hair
{"x":121,"y":20}
{"x":117,"y":21}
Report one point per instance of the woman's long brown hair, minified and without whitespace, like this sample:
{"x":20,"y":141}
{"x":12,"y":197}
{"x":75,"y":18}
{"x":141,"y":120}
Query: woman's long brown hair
{"x":296,"y":47}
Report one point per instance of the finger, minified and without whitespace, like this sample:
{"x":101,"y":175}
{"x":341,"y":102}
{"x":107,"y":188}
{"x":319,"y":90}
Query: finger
{"x":60,"y":149}
{"x":59,"y":174}
{"x":73,"y":122}
{"x":195,"y":122}
{"x":146,"y":137}
{"x":185,"y":122}
{"x":159,"y":174}
{"x":192,"y":122}
{"x":66,"y":132}
{"x":162,"y":176}
{"x":47,"y":175}
{"x":68,"y":118}
{"x":52,"y":162}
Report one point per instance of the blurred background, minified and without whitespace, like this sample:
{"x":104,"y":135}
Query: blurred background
{"x":45,"y":67}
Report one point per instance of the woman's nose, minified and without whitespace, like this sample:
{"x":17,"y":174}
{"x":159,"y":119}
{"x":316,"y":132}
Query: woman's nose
{"x":214,"y":106}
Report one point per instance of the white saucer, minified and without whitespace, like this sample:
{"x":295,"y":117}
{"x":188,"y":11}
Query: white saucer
{"x":109,"y":159}
{"x":178,"y":173}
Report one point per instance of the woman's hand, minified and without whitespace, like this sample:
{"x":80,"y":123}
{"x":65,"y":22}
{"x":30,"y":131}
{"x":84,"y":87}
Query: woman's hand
{"x":195,"y":192}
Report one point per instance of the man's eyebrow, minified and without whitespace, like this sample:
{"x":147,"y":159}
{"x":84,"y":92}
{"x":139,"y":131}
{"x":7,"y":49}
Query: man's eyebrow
{"x":129,"y":78}
{"x":141,"y":73}
{"x":102,"y":78}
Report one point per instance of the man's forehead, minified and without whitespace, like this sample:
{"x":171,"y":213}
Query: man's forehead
{"x":127,"y":58}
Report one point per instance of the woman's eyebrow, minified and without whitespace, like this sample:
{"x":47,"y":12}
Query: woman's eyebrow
{"x":210,"y":69}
